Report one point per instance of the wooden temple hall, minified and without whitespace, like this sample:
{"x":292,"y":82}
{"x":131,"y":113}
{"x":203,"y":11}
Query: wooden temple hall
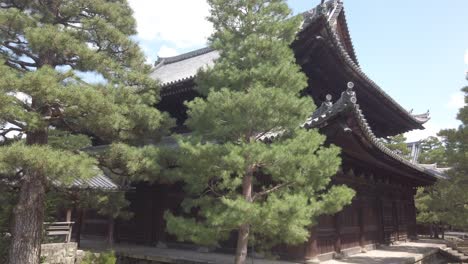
{"x":353,"y":113}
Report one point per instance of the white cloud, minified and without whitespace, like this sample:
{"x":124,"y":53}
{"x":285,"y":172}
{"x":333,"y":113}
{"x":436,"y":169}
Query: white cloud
{"x":166,"y":51}
{"x":180,"y":22}
{"x":416,"y":135}
{"x":457,"y":100}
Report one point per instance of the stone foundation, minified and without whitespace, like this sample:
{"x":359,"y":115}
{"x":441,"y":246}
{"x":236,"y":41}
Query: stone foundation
{"x":59,"y":253}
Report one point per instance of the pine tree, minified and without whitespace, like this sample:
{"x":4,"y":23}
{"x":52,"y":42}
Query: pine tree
{"x":397,"y":144}
{"x":432,"y":152}
{"x":48,"y":109}
{"x":269,"y":192}
{"x":452,"y":192}
{"x":447,"y":200}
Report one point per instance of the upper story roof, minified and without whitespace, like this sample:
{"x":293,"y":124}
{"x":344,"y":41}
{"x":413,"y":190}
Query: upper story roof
{"x":183,"y":67}
{"x":172,"y":71}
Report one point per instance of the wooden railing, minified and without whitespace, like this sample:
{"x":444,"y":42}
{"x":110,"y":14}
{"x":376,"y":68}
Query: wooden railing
{"x":59,"y":229}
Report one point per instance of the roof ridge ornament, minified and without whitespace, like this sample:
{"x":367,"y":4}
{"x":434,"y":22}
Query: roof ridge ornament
{"x":349,"y":96}
{"x":324,"y":108}
{"x":322,"y":8}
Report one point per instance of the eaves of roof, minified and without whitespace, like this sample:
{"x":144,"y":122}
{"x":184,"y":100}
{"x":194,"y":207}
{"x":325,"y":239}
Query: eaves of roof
{"x":335,"y":44}
{"x":348,"y":103}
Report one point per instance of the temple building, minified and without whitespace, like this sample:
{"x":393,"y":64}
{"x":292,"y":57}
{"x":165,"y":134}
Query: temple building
{"x":354,"y":112}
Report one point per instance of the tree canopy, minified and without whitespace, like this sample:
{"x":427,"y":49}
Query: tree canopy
{"x":71,"y":77}
{"x":237,"y":180}
{"x":433,"y":152}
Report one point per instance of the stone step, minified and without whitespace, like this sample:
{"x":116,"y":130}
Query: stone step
{"x":451,"y":251}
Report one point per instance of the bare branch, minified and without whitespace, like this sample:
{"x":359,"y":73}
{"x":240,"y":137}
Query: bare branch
{"x":18,"y":50}
{"x":8,"y":130}
{"x":23,"y":63}
{"x":277,"y":187}
{"x":16,"y":123}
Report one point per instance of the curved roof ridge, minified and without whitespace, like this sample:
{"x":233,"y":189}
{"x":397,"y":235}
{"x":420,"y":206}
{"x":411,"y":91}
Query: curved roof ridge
{"x":183,"y":56}
{"x":422,"y":118}
{"x":347,"y":58}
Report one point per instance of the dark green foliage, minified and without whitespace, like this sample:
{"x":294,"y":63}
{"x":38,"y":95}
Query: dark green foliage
{"x":397,"y":144}
{"x":234,"y":180}
{"x":433,"y":152}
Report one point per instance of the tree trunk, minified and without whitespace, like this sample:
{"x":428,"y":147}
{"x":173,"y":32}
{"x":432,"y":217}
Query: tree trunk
{"x":442,"y":230}
{"x":242,"y":243}
{"x":243,"y":235}
{"x":28,"y":214}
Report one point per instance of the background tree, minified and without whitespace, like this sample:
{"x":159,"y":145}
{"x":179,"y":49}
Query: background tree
{"x":447,"y":201}
{"x":433,"y":151}
{"x":454,"y":189}
{"x":268,"y":191}
{"x":398,"y":145}
{"x":47,"y":51}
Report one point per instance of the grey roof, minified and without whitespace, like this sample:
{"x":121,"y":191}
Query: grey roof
{"x":180,"y":68}
{"x":100,"y":182}
{"x":439,"y":172}
{"x":183,"y":67}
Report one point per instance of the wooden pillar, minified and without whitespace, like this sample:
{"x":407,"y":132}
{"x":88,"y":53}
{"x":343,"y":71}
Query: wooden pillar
{"x":69,"y":215}
{"x":362,"y":215}
{"x":396,"y":222}
{"x":337,"y":219}
{"x":79,"y":223}
{"x":380,"y":221}
{"x":312,"y":247}
{"x":110,"y":231}
{"x":411,"y":220}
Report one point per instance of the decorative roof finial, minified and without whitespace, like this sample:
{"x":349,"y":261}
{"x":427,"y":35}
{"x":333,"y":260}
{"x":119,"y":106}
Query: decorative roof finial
{"x":322,"y":8}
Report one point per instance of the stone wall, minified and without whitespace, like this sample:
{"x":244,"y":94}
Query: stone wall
{"x":59,"y":253}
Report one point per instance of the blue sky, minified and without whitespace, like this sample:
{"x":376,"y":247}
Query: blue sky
{"x":417,"y":51}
